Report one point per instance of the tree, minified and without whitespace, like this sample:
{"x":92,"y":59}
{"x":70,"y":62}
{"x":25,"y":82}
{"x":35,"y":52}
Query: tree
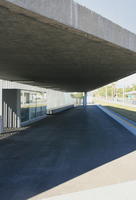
{"x":78,"y":96}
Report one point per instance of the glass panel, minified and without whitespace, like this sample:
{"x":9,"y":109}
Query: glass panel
{"x":33,"y":104}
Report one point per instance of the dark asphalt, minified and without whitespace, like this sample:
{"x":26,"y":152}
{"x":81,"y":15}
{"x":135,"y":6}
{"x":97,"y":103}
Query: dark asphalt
{"x":58,"y":149}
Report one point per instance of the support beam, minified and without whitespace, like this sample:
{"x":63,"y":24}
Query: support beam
{"x":1,"y":118}
{"x":85,"y":99}
{"x":101,"y":52}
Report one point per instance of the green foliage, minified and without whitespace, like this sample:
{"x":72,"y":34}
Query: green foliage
{"x":111,"y":90}
{"x":101,"y":92}
{"x":78,"y":95}
{"x":132,"y":88}
{"x":120,"y":92}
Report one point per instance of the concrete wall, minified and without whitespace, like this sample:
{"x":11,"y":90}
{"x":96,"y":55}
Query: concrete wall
{"x":11,"y":108}
{"x":70,"y":13}
{"x":10,"y":102}
{"x":14,"y":85}
{"x":56,"y":99}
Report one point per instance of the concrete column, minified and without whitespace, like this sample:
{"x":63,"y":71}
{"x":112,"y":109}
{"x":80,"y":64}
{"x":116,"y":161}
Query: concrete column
{"x":11,"y":108}
{"x":1,"y":119}
{"x":85,"y":99}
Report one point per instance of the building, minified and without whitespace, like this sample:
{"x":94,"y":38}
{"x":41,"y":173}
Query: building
{"x":22,"y":104}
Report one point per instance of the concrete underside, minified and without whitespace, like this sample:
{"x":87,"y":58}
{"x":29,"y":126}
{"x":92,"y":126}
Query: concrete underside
{"x":40,"y":51}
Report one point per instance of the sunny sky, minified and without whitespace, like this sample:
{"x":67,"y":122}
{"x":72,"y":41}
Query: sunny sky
{"x":122,"y":12}
{"x":128,"y":81}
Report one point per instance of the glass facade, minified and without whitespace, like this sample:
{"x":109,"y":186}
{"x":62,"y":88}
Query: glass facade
{"x":33,"y":105}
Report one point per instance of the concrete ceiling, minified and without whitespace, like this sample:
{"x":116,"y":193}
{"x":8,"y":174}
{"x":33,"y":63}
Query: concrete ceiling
{"x":40,"y":51}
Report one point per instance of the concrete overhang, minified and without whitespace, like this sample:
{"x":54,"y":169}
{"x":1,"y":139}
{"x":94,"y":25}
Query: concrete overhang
{"x":62,"y":45}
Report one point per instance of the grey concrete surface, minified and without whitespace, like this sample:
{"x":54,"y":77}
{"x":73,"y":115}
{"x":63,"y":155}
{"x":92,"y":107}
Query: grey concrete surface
{"x":58,"y":99}
{"x":11,"y":100}
{"x":75,"y":15}
{"x":125,"y":191}
{"x":61,"y":45}
{"x":58,"y":149}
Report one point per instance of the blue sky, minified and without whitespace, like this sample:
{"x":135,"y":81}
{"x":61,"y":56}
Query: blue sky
{"x":122,"y":12}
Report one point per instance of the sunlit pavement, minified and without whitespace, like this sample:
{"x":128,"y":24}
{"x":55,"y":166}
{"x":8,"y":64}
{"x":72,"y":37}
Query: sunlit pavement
{"x":78,"y":150}
{"x":118,"y":171}
{"x":124,"y":191}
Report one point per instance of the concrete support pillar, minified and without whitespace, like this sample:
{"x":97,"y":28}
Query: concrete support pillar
{"x":1,"y":119}
{"x":11,"y":108}
{"x":85,"y":99}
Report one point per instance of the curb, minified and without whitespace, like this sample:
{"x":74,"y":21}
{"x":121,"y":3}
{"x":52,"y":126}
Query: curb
{"x":128,"y":124}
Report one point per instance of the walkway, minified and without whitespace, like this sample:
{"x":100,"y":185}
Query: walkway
{"x":62,"y":147}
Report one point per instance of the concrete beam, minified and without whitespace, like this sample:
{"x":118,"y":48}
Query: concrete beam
{"x":62,"y":45}
{"x":74,"y":15}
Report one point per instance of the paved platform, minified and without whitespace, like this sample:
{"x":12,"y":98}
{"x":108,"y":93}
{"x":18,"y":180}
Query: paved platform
{"x":69,"y":152}
{"x":125,"y":191}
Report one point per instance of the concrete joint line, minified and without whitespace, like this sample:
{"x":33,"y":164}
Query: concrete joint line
{"x":128,"y":124}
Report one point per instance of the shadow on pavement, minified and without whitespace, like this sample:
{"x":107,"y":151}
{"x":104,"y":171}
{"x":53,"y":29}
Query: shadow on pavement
{"x":58,"y":149}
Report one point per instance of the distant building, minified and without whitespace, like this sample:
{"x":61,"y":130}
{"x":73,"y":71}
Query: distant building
{"x":22,"y":104}
{"x":131,"y":95}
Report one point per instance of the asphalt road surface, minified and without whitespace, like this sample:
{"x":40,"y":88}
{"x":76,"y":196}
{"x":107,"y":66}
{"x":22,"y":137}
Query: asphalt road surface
{"x":59,"y":148}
